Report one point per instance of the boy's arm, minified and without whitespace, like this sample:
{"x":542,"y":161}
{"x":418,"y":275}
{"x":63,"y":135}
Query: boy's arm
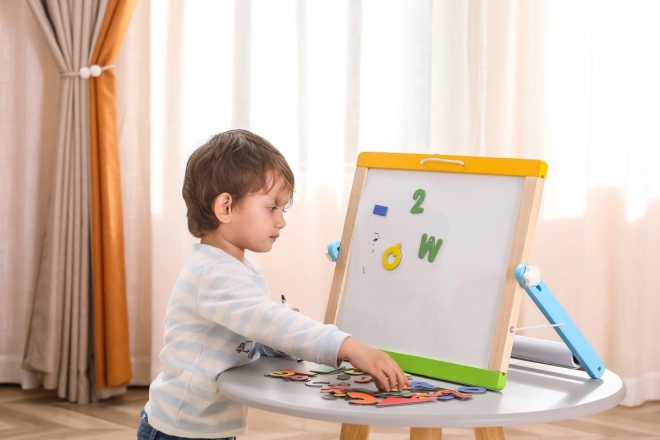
{"x":230,"y":296}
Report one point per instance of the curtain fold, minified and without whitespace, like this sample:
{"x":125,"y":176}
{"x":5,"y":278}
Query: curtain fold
{"x":28,"y":127}
{"x":57,"y":349}
{"x":111,"y":339}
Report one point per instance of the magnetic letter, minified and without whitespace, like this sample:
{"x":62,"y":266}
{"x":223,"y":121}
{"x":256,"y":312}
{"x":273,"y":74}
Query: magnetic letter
{"x":395,"y":251}
{"x":429,"y":245}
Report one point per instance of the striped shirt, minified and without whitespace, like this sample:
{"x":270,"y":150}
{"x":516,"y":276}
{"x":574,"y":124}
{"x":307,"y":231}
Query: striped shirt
{"x":218,"y":308}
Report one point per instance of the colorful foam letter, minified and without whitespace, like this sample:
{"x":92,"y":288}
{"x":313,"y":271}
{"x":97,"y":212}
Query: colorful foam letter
{"x":362,"y":399}
{"x":395,"y":251}
{"x":395,"y":401}
{"x":429,"y":245}
{"x":419,"y":195}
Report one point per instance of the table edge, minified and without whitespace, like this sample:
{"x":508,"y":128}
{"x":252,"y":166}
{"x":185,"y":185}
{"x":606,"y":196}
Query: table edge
{"x":545,"y":416}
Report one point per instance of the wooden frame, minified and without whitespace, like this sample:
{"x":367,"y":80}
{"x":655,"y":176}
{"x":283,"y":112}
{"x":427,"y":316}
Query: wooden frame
{"x":512,"y":293}
{"x":339,"y":277}
{"x":534,"y":173}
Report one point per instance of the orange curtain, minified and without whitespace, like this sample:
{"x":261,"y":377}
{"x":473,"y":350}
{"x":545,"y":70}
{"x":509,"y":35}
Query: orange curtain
{"x":112,"y":360}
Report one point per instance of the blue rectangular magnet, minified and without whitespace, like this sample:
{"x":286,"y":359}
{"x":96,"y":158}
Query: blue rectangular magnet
{"x":380,"y":210}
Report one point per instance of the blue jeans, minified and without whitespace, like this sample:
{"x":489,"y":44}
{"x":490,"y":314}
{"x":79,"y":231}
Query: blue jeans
{"x":148,"y":432}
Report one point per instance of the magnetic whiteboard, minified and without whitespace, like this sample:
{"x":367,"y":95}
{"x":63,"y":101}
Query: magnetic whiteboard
{"x":445,"y":309}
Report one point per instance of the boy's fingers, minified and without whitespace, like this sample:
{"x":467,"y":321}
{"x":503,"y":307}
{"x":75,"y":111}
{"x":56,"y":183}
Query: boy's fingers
{"x":400,"y":373}
{"x":404,"y":379}
{"x":394,"y":378}
{"x":402,"y":376}
{"x":393,"y":374}
{"x":400,"y":379}
{"x":384,"y":384}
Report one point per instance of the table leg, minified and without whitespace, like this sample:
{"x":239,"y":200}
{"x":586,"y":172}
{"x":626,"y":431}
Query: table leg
{"x":354,"y":432}
{"x":496,"y":433}
{"x":425,"y":433}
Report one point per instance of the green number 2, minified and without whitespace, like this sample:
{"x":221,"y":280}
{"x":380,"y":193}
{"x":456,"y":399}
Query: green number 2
{"x":419,"y":195}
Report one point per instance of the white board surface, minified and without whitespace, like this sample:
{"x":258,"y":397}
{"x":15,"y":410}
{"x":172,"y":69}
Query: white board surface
{"x":445,"y":309}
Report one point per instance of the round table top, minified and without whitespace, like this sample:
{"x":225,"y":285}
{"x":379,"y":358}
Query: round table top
{"x":534,"y":393}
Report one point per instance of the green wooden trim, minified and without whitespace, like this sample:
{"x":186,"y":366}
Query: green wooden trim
{"x":447,"y":371}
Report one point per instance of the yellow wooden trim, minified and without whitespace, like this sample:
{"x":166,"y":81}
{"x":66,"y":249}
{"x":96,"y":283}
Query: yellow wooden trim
{"x":473,"y":164}
{"x":512,"y":293}
{"x":341,"y":267}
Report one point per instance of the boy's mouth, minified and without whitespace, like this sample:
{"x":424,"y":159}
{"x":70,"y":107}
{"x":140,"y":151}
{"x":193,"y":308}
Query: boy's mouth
{"x":274,"y":237}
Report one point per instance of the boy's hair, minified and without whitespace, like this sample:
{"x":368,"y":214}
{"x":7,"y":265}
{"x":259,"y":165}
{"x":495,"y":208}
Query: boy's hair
{"x":236,"y":162}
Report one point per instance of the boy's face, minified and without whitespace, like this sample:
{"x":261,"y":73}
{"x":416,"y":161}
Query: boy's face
{"x":257,"y":220}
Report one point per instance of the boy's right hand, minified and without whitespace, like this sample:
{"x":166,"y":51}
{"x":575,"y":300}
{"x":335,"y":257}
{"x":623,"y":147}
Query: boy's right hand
{"x":385,"y":372}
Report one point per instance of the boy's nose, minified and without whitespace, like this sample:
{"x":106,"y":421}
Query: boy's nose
{"x":281,"y":223}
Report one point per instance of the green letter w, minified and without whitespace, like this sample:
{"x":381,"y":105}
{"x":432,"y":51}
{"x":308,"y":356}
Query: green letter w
{"x":431,"y":246}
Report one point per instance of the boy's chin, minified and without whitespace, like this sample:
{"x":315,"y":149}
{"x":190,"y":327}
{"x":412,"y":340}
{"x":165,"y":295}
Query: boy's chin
{"x":262,"y":249}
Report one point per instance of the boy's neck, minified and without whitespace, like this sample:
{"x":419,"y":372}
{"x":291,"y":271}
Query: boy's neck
{"x":216,"y":240}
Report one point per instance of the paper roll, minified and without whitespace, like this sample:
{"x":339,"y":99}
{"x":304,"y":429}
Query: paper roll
{"x":543,"y":351}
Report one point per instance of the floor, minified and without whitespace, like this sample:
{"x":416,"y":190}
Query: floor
{"x":39,"y":414}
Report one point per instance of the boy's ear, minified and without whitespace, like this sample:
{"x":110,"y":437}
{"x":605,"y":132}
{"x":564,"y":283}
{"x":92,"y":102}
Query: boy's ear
{"x":222,"y":206}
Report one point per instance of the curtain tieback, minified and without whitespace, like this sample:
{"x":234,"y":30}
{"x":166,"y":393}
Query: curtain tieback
{"x":93,"y":70}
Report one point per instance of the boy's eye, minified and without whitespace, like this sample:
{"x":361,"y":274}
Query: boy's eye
{"x":272,"y":208}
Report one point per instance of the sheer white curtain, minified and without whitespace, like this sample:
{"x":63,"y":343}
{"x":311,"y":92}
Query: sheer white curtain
{"x":573,"y":84}
{"x":598,"y":240}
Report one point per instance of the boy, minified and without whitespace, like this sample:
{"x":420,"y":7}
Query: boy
{"x":237,"y":187}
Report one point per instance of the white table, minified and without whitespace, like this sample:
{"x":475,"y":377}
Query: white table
{"x":534,"y":393}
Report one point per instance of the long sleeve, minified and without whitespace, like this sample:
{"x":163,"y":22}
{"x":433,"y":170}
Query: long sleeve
{"x":218,"y":309}
{"x":234,"y":297}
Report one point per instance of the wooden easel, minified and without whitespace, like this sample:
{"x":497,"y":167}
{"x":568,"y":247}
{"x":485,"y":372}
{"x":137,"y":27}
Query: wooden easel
{"x":511,"y":297}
